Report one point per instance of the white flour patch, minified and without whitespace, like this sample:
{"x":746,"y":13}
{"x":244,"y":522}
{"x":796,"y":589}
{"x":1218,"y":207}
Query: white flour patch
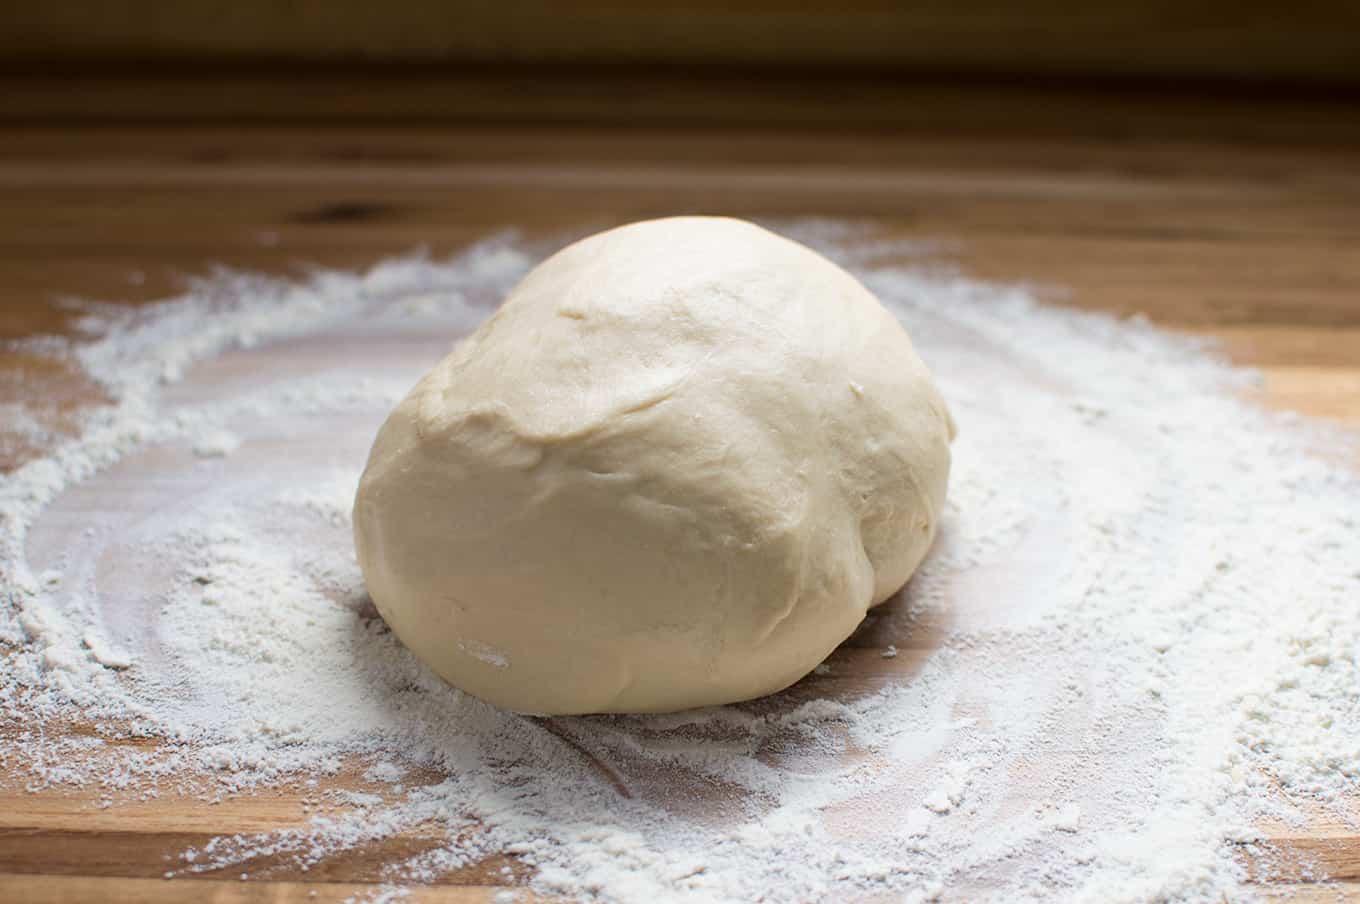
{"x":1134,"y":644}
{"x":216,"y":444}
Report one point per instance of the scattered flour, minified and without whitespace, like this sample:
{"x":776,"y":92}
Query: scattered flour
{"x":1135,"y":642}
{"x":216,"y":444}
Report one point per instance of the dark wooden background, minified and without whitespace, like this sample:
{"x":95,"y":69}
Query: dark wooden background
{"x":1304,"y":41}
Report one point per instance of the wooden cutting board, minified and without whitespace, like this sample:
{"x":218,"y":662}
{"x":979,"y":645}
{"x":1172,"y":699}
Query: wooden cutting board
{"x":1232,"y":216}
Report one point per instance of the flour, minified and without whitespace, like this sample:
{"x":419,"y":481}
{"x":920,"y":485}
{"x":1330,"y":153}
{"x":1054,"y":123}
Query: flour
{"x":1134,"y":645}
{"x":216,"y":444}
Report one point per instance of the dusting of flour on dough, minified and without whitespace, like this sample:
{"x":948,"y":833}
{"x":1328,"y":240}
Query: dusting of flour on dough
{"x":1133,"y":647}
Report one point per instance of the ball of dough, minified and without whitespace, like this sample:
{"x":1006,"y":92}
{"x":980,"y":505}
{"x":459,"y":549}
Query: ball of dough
{"x":675,"y":469}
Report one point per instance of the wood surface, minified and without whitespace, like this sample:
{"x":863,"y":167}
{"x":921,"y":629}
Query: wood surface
{"x":1314,"y":41}
{"x":1234,"y":216}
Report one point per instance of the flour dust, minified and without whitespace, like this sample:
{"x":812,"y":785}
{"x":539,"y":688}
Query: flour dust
{"x":1130,"y":659}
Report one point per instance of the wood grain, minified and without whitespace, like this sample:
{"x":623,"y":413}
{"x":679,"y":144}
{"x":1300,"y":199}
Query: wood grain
{"x":65,"y":889}
{"x":1244,"y":40}
{"x":1235,"y":218}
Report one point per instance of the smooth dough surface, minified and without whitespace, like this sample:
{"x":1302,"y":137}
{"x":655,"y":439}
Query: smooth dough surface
{"x":675,"y":469}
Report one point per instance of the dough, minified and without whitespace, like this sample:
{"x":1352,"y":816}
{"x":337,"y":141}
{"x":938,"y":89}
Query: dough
{"x":675,"y":469}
